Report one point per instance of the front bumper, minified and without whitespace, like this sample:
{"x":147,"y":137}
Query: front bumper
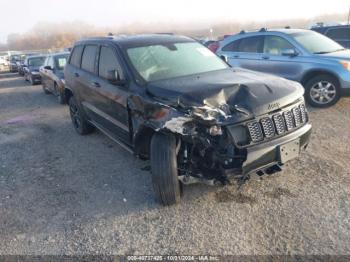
{"x":265,"y":155}
{"x":36,"y":78}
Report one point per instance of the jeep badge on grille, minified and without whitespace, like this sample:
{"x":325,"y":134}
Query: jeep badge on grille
{"x":273,"y":106}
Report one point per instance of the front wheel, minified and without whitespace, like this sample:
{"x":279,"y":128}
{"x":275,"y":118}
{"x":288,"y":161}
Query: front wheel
{"x":322,"y":91}
{"x":81,"y":125}
{"x":165,"y":180}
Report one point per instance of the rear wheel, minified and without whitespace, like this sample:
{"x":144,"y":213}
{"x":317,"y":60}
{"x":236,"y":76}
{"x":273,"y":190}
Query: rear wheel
{"x":322,"y":91}
{"x":165,"y":180}
{"x":60,"y":95}
{"x":81,"y":125}
{"x":44,"y":89}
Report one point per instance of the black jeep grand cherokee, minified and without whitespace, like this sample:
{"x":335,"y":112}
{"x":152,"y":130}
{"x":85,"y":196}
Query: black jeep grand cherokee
{"x":172,"y":100}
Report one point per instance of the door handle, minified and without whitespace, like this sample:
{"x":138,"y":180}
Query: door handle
{"x":95,"y":84}
{"x":265,"y":57}
{"x":236,"y":56}
{"x":76,"y":74}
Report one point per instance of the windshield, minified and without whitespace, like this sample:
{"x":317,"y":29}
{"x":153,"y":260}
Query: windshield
{"x":61,"y":61}
{"x":37,"y":61}
{"x":316,"y":43}
{"x":158,"y":62}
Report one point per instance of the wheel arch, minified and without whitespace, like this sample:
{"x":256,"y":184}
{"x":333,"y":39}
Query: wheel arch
{"x":142,"y":141}
{"x":316,"y":72}
{"x":68,"y":94}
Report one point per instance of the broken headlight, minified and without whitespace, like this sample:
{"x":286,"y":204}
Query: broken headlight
{"x":207,"y":114}
{"x":215,"y":130}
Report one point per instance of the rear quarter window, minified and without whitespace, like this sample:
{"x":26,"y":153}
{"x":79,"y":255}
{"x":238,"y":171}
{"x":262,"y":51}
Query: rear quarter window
{"x":232,"y":47}
{"x":76,"y":56}
{"x":252,"y":44}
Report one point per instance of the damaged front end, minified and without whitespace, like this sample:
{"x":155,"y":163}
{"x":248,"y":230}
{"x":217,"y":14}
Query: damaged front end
{"x":215,"y":145}
{"x":230,"y":123}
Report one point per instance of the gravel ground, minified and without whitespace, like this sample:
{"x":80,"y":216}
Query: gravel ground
{"x":61,"y":193}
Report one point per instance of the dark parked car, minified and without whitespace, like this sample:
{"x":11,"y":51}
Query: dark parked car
{"x":170,"y":99}
{"x":13,"y":66}
{"x":52,"y":77}
{"x":31,"y":68}
{"x":20,"y":63}
{"x":339,"y":33}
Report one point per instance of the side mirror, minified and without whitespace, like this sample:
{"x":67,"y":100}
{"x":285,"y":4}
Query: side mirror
{"x":289,"y":52}
{"x":48,"y":67}
{"x":115,"y":77}
{"x":224,"y":58}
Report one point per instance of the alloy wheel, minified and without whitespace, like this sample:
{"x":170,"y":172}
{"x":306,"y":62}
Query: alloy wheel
{"x":323,"y":92}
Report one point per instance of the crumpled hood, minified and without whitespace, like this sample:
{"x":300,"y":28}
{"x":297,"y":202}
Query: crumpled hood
{"x":255,"y":93}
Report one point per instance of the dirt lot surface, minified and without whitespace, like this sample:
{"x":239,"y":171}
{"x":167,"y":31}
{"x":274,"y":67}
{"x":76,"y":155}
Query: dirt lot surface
{"x":61,"y":193}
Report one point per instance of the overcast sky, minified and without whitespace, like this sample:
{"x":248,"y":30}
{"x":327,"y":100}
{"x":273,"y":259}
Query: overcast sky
{"x":20,"y":15}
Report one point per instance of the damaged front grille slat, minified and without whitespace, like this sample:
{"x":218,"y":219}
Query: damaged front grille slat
{"x":278,"y":124}
{"x":255,"y":131}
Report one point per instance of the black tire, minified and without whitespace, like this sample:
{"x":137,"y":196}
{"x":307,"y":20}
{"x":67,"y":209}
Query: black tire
{"x":45,"y":90}
{"x":60,"y":95}
{"x":81,"y":125}
{"x":165,"y":180}
{"x":31,"y":81}
{"x":316,"y":83}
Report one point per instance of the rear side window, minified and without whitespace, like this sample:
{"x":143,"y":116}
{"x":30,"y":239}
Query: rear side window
{"x":88,"y":60}
{"x":108,"y":61}
{"x":251,"y":44}
{"x":232,"y":47}
{"x":76,"y":55}
{"x":339,"y":33}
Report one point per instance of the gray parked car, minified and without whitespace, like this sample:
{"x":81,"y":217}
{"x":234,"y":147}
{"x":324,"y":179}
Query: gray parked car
{"x":320,"y":64}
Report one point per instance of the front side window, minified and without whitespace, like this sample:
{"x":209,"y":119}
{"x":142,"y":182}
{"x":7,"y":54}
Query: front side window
{"x":165,"y":61}
{"x":88,"y":59}
{"x":316,"y":43}
{"x":36,"y":61}
{"x":108,"y":62}
{"x":275,"y":45}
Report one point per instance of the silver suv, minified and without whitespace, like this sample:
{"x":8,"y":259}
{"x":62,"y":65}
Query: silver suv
{"x":320,"y":64}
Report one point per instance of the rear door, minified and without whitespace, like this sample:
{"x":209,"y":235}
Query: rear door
{"x":49,"y":74}
{"x":274,"y":62}
{"x":43,"y":72}
{"x":87,"y":78}
{"x":245,"y":52}
{"x":72,"y":71}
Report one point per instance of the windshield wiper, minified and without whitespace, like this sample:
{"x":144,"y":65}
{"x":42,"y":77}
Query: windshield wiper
{"x":327,"y":52}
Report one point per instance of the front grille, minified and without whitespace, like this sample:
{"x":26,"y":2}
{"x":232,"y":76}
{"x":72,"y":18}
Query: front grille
{"x":304,"y":116}
{"x":267,"y":127}
{"x":297,"y":116}
{"x":255,"y":131}
{"x":278,"y":124}
{"x":288,"y":117}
